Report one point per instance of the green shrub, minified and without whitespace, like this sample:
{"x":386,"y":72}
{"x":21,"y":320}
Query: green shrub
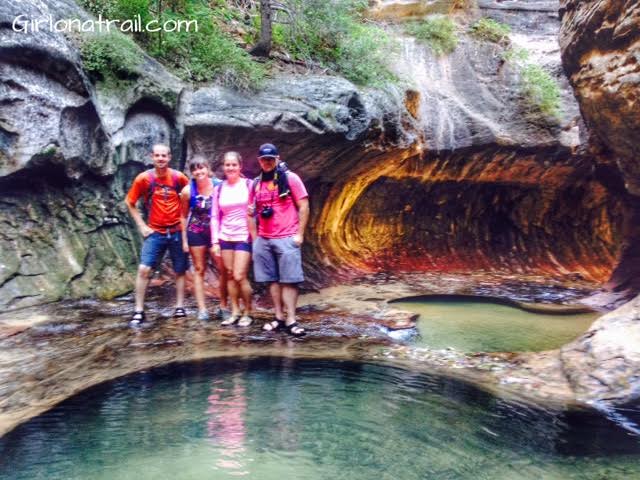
{"x":106,"y":8}
{"x":279,"y":33}
{"x":541,"y":89}
{"x":362,"y":56}
{"x":490,"y":30}
{"x":129,"y":9}
{"x":517,"y":56}
{"x":119,"y":9}
{"x":110,"y":55}
{"x":334,"y":34}
{"x":329,"y":33}
{"x":208,"y":55}
{"x":437,"y":31}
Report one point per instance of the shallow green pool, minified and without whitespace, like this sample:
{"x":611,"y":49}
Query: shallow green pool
{"x":274,"y":419}
{"x":474,"y":326}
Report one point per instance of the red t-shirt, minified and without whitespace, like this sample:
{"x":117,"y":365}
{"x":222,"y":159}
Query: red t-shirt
{"x":165,"y":205}
{"x":284,"y":221}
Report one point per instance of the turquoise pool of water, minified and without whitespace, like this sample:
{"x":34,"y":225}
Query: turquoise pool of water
{"x":277,"y":418}
{"x":474,"y":326}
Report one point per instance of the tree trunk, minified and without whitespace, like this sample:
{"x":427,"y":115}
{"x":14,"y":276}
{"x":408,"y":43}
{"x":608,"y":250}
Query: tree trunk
{"x":263,"y":47}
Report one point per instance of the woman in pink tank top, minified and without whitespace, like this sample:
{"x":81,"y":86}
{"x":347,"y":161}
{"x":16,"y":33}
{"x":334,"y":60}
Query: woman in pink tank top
{"x":230,"y":236}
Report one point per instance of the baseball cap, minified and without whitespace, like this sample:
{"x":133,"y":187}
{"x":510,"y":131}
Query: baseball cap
{"x":268,"y":150}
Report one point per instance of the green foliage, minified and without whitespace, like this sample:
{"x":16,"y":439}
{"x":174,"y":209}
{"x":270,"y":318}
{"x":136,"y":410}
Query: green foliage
{"x":516,"y":56}
{"x":333,"y":34}
{"x":221,"y":10}
{"x":438,"y":31}
{"x":119,"y":9}
{"x":540,"y":90}
{"x":110,"y":55}
{"x":490,"y":30}
{"x":131,"y":8}
{"x":279,"y":33}
{"x":329,"y":33}
{"x":362,"y":56}
{"x":49,"y":151}
{"x":208,"y":55}
{"x":106,"y":8}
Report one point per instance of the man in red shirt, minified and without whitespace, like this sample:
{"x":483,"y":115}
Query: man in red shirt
{"x":282,"y":212}
{"x":160,"y":188}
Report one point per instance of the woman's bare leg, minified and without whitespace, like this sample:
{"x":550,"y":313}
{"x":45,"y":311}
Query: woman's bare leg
{"x":222,"y":277}
{"x":232,"y":285}
{"x":199,"y":257}
{"x":241,"y":262}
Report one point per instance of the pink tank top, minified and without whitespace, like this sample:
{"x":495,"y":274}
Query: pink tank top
{"x":229,"y":212}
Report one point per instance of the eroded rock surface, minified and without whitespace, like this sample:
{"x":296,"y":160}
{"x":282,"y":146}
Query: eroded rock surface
{"x":68,"y":151}
{"x":600,"y":43}
{"x":605,"y":362}
{"x":601,"y":52}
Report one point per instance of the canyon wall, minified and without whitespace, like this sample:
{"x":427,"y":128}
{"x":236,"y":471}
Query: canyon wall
{"x":600,"y":43}
{"x":451,"y":170}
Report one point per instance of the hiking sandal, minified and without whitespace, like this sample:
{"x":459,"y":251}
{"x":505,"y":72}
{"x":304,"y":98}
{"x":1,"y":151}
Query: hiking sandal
{"x":179,"y":313}
{"x":137,"y":318}
{"x":273,"y":326}
{"x":295,"y":330}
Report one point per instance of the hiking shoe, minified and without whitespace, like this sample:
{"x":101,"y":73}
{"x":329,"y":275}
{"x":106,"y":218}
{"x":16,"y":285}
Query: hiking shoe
{"x":203,"y":316}
{"x":245,"y":321}
{"x":230,"y":320}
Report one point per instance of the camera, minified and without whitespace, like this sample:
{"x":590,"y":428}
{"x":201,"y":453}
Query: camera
{"x":267,"y":212}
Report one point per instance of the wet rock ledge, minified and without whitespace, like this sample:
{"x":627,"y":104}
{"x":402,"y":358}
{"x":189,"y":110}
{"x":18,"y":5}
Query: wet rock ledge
{"x":50,"y":353}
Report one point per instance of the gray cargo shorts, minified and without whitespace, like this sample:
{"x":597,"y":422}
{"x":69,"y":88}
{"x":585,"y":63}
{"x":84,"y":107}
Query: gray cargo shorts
{"x":277,"y":260}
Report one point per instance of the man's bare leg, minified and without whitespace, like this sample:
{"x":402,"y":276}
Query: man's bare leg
{"x":290,"y":299}
{"x":142,"y":281}
{"x":180,"y":290}
{"x":276,"y":296}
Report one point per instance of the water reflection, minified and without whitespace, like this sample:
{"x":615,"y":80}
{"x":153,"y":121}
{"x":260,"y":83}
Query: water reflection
{"x":281,"y":418}
{"x":226,"y":424}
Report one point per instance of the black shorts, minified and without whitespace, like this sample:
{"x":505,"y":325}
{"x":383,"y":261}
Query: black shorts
{"x":201,"y":239}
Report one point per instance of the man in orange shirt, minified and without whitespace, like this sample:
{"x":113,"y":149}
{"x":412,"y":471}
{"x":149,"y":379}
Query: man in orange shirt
{"x":160,"y":188}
